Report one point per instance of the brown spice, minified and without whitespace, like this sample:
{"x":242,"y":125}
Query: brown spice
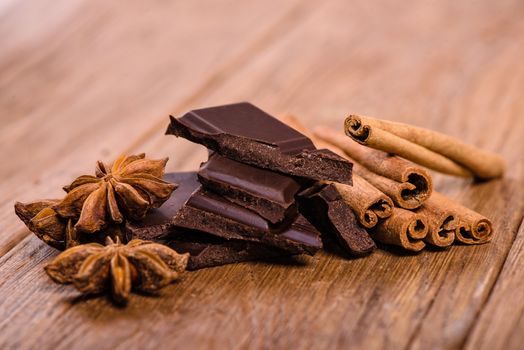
{"x":45,"y":223}
{"x":425,"y":147}
{"x":56,"y":231}
{"x":407,"y":184}
{"x":403,"y":228}
{"x":141,"y":265}
{"x":474,"y":230}
{"x":369,"y":204}
{"x":472,"y":227}
{"x":441,"y":220}
{"x":127,"y":189}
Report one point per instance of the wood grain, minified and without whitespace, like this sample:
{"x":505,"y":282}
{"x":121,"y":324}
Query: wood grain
{"x":89,"y":100}
{"x":500,"y":323}
{"x":450,"y":66}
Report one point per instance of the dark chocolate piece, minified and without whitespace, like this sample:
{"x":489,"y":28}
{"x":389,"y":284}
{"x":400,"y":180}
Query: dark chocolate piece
{"x":209,"y":251}
{"x":206,"y":250}
{"x":269,"y":194}
{"x":208,"y":212}
{"x":247,"y":134}
{"x":190,"y":206}
{"x":325,"y":208}
{"x":157,"y":222}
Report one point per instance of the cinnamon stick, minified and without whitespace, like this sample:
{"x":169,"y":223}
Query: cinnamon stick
{"x":425,"y":147}
{"x":472,"y":227}
{"x":474,"y":231}
{"x":404,"y":182}
{"x":442,"y":221}
{"x":403,"y":228}
{"x":369,"y":204}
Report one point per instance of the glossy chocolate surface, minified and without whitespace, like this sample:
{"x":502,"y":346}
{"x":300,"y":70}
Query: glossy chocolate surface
{"x":158,"y":220}
{"x":247,"y":121}
{"x":208,"y":212}
{"x":245,"y":133}
{"x":258,"y":182}
{"x":192,"y":207}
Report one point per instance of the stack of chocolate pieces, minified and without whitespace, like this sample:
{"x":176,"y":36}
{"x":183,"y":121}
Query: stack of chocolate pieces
{"x":265,"y":191}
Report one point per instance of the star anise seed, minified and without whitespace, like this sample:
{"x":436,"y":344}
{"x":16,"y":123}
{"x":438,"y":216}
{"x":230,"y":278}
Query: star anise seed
{"x":140,"y":265}
{"x":45,"y":223}
{"x":127,"y":189}
{"x":66,"y":265}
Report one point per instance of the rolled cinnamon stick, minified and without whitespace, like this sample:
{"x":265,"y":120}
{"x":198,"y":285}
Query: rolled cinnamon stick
{"x":472,"y":227}
{"x":474,"y":231}
{"x":428,"y":148}
{"x":407,"y":184}
{"x":403,"y":228}
{"x":369,"y":204}
{"x":442,"y":221}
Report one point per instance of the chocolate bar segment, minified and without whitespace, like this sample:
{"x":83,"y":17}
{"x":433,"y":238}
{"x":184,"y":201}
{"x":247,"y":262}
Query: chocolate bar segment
{"x":157,"y":223}
{"x":247,"y":134}
{"x":269,"y":194}
{"x":208,"y":212}
{"x":325,"y":208}
{"x":206,"y":250}
{"x":191,"y":207}
{"x":209,"y":251}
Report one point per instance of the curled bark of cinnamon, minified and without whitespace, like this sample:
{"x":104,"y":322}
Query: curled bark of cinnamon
{"x":369,"y":203}
{"x":404,"y":182}
{"x":442,"y":221}
{"x":472,"y":227}
{"x":474,"y":231}
{"x":368,"y":206}
{"x":403,"y":228}
{"x":425,"y":147}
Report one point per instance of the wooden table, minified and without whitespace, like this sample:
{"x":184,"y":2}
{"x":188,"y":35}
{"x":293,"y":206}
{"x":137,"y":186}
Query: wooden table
{"x":88,"y":80}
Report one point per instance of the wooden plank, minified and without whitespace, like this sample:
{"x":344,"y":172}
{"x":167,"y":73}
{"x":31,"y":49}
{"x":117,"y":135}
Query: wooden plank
{"x":319,"y":68}
{"x":454,"y":326}
{"x":428,"y":313}
{"x":88,"y":92}
{"x":500,"y":323}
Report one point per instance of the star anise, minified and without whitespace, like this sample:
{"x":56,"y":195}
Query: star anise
{"x":41,"y":219}
{"x":140,"y":265}
{"x":45,"y":223}
{"x":127,"y":189}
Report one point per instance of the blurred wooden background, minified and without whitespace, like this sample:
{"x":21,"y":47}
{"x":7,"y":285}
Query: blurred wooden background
{"x":88,"y":80}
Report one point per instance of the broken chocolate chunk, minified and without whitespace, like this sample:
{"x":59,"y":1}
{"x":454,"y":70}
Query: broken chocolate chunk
{"x":269,"y":194}
{"x":247,"y":134}
{"x":208,"y":212}
{"x":206,"y":250}
{"x":157,"y":223}
{"x":325,"y":208}
{"x":209,"y":251}
{"x":192,"y":207}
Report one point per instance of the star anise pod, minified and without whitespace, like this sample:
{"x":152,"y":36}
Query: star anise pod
{"x":127,"y":189}
{"x":41,"y":219}
{"x":140,"y":265}
{"x":45,"y":223}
